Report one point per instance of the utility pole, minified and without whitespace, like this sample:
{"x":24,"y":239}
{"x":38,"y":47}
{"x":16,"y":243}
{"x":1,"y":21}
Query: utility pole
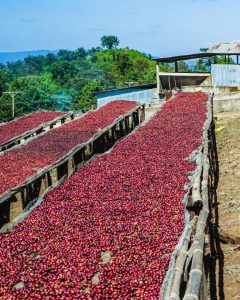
{"x":13,"y":94}
{"x":129,"y":83}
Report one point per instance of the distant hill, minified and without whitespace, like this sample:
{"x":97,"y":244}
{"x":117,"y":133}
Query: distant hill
{"x":14,"y":56}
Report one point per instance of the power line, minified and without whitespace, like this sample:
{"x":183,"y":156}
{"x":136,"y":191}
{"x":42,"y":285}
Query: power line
{"x":13,"y":94}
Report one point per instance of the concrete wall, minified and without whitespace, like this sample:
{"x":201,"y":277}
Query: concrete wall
{"x":226,"y":102}
{"x":194,"y":88}
{"x":208,"y":89}
{"x":225,"y":98}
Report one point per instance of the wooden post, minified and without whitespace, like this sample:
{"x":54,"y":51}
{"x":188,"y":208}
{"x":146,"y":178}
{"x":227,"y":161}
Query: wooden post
{"x":77,"y":160}
{"x":169,"y":83}
{"x":62,"y":170}
{"x":176,"y":66}
{"x":237,"y":59}
{"x":126,"y":124}
{"x":175,"y":81}
{"x":158,"y":78}
{"x":121,"y":128}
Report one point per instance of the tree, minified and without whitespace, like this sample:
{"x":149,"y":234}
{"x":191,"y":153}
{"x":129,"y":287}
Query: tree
{"x":65,"y":54}
{"x":122,"y":62}
{"x":183,"y":67}
{"x":87,"y":96}
{"x":59,"y":81}
{"x":16,"y":69}
{"x":35,"y":94}
{"x":4,"y":76}
{"x":109,"y":41}
{"x":79,"y":54}
{"x":34,"y":64}
{"x":204,"y":49}
{"x":94,"y":50}
{"x":204,"y":64}
{"x":50,"y":59}
{"x":63,"y":71}
{"x":63,"y":101}
{"x":200,"y":66}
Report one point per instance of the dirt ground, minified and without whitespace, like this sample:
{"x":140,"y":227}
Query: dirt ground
{"x":228,"y":198}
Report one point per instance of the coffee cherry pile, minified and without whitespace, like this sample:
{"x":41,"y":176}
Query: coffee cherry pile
{"x":23,"y":124}
{"x":17,"y":165}
{"x":108,"y":232}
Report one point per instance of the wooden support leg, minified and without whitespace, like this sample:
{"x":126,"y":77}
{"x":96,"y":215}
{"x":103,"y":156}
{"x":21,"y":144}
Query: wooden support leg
{"x":127,"y":124}
{"x":62,"y":170}
{"x":77,"y":160}
{"x":4,"y":213}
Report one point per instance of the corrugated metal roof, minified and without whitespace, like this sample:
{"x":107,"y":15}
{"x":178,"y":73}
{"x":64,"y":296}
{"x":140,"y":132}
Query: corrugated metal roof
{"x":226,"y":75}
{"x":227,"y":48}
{"x":127,"y":89}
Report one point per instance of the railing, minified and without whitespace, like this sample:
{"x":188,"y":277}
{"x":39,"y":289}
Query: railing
{"x":186,"y":277}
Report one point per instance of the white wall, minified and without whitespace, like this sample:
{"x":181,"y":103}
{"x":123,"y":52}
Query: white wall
{"x":144,"y":96}
{"x":225,"y":75}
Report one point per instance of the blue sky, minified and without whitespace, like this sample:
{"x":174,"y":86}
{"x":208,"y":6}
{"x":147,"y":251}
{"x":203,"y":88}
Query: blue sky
{"x":159,"y":27}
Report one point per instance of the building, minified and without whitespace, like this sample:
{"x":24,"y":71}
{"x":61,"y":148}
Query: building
{"x":221,"y":78}
{"x":220,"y":75}
{"x":141,"y":93}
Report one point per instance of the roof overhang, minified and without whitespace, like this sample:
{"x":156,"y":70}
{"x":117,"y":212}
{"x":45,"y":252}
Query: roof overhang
{"x":173,"y":59}
{"x":170,"y":80}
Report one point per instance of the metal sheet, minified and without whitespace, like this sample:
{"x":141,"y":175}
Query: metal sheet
{"x":141,"y":96}
{"x":226,"y":48}
{"x":226,"y":75}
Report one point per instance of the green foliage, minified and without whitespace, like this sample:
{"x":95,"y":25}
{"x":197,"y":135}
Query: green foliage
{"x":70,"y":79}
{"x":35,"y":94}
{"x":204,"y":49}
{"x":204,"y":64}
{"x":4,"y":74}
{"x":200,"y":66}
{"x":109,"y":41}
{"x":87,"y":97}
{"x":183,"y":67}
{"x":124,"y":65}
{"x":63,"y":101}
{"x":63,"y":71}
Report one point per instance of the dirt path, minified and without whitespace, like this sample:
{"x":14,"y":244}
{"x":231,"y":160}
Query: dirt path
{"x":228,"y":197}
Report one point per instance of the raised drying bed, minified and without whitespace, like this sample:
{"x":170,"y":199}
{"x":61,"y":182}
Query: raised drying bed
{"x":47,"y":121}
{"x":34,"y":186}
{"x":108,"y":232}
{"x":186,"y":277}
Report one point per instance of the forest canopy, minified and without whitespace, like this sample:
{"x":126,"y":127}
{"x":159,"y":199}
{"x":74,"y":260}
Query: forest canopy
{"x":69,"y":79}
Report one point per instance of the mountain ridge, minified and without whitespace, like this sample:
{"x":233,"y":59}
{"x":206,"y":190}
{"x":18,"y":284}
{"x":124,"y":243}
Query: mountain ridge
{"x":20,"y":55}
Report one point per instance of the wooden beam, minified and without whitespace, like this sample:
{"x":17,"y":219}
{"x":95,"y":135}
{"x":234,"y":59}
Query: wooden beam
{"x":169,"y":83}
{"x":158,"y":78}
{"x":176,"y":66}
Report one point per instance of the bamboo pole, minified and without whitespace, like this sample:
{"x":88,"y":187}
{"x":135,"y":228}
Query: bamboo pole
{"x":197,"y":249}
{"x":196,"y":286}
{"x":179,"y":266}
{"x":204,"y":198}
{"x":195,"y":275}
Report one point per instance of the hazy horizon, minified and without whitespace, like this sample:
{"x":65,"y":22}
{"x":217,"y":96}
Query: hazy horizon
{"x":156,"y":27}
